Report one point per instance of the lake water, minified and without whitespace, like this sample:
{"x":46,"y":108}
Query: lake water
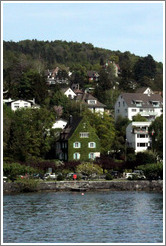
{"x":95,"y":217}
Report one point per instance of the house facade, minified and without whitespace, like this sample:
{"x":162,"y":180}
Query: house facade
{"x":78,"y":142}
{"x":91,"y":102}
{"x":69,"y":93}
{"x":131,"y":104}
{"x":137,"y":136}
{"x":17,"y":104}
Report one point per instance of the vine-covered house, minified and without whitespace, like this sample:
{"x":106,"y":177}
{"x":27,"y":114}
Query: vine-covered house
{"x":78,"y":141}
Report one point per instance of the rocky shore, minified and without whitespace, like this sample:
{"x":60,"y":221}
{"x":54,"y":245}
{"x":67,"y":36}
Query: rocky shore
{"x":125,"y":185}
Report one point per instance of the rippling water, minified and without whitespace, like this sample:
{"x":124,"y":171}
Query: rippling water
{"x":95,"y":217}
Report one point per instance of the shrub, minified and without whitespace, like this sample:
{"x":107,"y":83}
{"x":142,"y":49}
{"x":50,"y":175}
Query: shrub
{"x":60,"y":177}
{"x":12,"y":170}
{"x":89,"y":169}
{"x":152,"y":171}
{"x":27,"y":185}
{"x":145,"y":157}
{"x":108,"y":176}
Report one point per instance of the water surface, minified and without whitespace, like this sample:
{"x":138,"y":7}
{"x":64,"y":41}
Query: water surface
{"x":95,"y":217}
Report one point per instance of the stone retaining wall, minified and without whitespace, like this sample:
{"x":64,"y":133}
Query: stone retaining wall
{"x":143,"y":185}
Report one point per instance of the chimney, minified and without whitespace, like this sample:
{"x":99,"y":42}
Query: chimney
{"x":70,"y":119}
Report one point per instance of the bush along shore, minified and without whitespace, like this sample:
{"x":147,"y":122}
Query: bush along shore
{"x":118,"y":185}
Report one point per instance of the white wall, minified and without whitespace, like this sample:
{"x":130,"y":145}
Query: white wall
{"x":59,"y":124}
{"x":70,"y":93}
{"x":20,"y":104}
{"x":133,"y":139}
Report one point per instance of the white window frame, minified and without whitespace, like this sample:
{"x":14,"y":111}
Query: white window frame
{"x":92,"y":155}
{"x":84,"y":134}
{"x":92,"y":145}
{"x":92,"y":102}
{"x":76,"y":145}
{"x":76,"y":156}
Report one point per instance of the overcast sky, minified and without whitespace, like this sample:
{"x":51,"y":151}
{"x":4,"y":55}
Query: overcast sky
{"x":126,"y":26}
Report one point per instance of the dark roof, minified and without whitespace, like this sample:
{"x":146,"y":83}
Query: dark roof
{"x":146,"y":99}
{"x":64,"y":89}
{"x":141,"y":90}
{"x":87,"y":96}
{"x":70,"y":128}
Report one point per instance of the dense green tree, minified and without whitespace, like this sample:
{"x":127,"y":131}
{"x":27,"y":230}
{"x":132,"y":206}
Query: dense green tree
{"x":104,"y":127}
{"x":156,"y":132}
{"x":30,"y":134}
{"x":8,"y":115}
{"x":145,"y":67}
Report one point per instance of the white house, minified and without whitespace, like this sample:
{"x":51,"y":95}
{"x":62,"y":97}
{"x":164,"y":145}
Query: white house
{"x":91,"y":102}
{"x":16,"y":104}
{"x":131,"y":104}
{"x":59,"y":124}
{"x":137,"y":135}
{"x":69,"y":93}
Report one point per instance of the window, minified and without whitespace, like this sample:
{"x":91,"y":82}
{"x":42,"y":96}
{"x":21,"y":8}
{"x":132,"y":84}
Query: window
{"x":142,"y":144}
{"x":141,"y":110}
{"x":76,"y":145}
{"x":84,"y":134}
{"x":138,"y":103}
{"x":16,"y":105}
{"x":92,"y":145}
{"x":76,"y":156}
{"x":123,"y":103}
{"x":92,"y":156}
{"x":142,"y":135}
{"x":119,"y":104}
{"x":92,"y":101}
{"x":155,"y":104}
{"x":133,"y":110}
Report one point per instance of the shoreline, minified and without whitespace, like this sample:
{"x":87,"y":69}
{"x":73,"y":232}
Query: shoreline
{"x":82,"y":186}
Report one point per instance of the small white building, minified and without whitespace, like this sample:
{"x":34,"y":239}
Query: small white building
{"x":59,"y":124}
{"x":137,"y":135}
{"x":69,"y":93}
{"x":17,"y":104}
{"x":131,"y":104}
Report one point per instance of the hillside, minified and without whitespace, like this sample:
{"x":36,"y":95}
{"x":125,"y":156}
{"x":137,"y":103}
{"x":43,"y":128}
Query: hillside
{"x":79,"y":58}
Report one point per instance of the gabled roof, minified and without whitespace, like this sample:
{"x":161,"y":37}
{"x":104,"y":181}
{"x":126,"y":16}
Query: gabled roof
{"x":87,"y":96}
{"x":70,"y":128}
{"x":146,"y":99}
{"x":142,"y":89}
{"x":64,"y":89}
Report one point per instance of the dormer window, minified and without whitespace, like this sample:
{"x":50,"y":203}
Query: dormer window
{"x":92,"y":102}
{"x":138,"y":103}
{"x":155,"y":103}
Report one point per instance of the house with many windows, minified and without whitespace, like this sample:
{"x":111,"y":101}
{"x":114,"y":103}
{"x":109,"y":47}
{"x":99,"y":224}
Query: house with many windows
{"x":78,"y":141}
{"x":130,"y":104}
{"x":137,"y":136}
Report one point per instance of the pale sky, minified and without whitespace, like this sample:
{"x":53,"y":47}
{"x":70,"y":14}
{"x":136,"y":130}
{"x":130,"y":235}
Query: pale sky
{"x":126,"y":26}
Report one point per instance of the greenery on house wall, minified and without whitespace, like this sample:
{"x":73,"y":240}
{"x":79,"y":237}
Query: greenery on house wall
{"x":84,"y":150}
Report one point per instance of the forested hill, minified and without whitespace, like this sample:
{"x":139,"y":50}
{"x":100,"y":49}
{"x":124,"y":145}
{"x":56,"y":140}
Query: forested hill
{"x":39,"y":56}
{"x":67,"y":53}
